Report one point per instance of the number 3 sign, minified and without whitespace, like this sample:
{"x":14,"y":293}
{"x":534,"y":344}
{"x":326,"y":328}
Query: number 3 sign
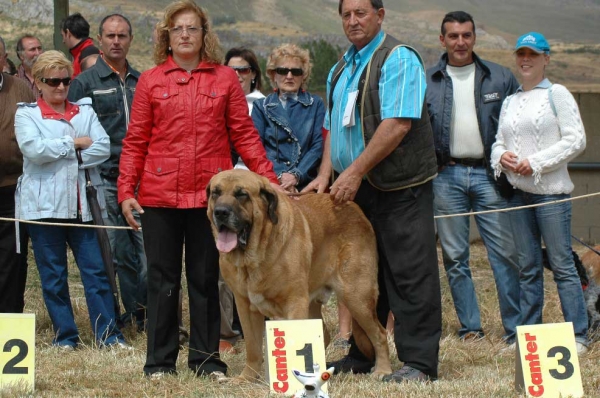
{"x":293,"y":345}
{"x":17,"y":349}
{"x":547,"y":364}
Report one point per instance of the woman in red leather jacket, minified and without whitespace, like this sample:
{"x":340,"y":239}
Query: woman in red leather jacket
{"x":186,"y":112}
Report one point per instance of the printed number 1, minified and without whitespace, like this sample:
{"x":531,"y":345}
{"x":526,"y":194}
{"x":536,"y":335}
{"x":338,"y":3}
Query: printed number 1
{"x":307,"y":353}
{"x":10,"y":368}
{"x":563,"y":361}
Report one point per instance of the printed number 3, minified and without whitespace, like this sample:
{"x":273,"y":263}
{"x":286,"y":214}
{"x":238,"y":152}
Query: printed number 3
{"x":10,"y":367}
{"x":563,"y":361}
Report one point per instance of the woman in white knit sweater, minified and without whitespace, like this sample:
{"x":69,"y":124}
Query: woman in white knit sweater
{"x":540,"y":131}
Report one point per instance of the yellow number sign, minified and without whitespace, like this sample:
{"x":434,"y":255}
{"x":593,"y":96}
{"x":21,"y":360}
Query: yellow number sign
{"x":17,"y":353}
{"x":293,"y":345}
{"x":547,"y":364}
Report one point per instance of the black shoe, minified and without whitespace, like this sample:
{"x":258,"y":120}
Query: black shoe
{"x":407,"y":373}
{"x":350,"y":364}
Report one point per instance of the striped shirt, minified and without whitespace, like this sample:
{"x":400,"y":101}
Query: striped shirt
{"x":401,"y":93}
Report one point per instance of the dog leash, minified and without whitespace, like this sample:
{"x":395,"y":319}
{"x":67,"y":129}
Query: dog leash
{"x":585,"y":244}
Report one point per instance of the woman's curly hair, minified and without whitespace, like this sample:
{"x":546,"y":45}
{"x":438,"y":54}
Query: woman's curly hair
{"x":289,"y":51}
{"x":211,"y":49}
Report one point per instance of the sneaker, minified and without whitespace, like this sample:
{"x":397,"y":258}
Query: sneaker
{"x":407,"y":373}
{"x":509,"y":348}
{"x":225,"y":347}
{"x":156,"y":376}
{"x":120,"y":345}
{"x":64,"y":347}
{"x":217,"y":376}
{"x":471,"y":337}
{"x":350,"y":364}
{"x":581,"y":349}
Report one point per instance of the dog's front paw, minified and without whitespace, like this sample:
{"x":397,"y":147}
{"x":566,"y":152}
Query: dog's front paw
{"x":379,"y":375}
{"x":248,"y":375}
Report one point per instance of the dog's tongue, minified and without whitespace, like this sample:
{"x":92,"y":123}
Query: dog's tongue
{"x":226,"y":241}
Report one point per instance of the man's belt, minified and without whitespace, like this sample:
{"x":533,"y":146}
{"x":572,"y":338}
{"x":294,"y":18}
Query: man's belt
{"x":469,"y":162}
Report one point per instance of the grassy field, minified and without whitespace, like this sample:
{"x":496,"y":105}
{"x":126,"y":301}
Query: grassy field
{"x":466,"y":369}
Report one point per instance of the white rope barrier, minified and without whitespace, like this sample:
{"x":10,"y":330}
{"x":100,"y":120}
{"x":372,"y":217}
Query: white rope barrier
{"x":520,"y":207}
{"x":471,"y":213}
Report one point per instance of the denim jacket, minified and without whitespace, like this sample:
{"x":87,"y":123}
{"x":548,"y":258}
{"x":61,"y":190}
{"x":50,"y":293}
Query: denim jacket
{"x":111,"y":99}
{"x":293,"y":136}
{"x":53,"y":183}
{"x":493,"y":83}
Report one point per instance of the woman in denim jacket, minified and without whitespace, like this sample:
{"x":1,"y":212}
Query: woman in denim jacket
{"x":52,"y":189}
{"x":290,"y":120}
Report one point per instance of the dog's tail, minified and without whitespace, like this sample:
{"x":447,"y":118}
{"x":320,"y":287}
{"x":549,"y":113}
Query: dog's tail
{"x":362,"y":340}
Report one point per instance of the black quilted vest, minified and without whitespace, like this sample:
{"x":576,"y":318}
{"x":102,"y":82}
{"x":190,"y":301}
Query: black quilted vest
{"x":413,"y":161}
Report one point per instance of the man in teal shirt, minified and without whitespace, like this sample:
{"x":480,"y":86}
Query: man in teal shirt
{"x":380,"y":151}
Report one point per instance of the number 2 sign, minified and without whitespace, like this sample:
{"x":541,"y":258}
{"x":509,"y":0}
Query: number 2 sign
{"x":547,"y":364}
{"x":17,"y":349}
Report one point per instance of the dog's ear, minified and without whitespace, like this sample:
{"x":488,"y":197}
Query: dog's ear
{"x":208,"y":191}
{"x":270,"y":196}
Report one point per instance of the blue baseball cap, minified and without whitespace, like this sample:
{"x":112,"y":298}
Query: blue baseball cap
{"x":535,"y":41}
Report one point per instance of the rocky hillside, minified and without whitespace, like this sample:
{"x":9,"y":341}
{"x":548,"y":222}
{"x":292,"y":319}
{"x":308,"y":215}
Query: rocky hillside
{"x":573,"y":27}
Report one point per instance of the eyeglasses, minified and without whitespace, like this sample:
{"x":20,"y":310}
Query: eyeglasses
{"x":242,"y":70}
{"x":285,"y":71}
{"x":191,"y":30}
{"x":56,"y":81}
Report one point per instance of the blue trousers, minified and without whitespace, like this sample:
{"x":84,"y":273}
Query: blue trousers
{"x":460,"y":189}
{"x":50,"y":250}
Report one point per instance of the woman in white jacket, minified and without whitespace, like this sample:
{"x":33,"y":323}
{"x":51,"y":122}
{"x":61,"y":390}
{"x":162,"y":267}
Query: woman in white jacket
{"x":52,"y":189}
{"x":540,"y":131}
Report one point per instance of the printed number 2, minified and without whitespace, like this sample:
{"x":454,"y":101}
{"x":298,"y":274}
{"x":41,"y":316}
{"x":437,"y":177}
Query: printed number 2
{"x":10,"y":367}
{"x":563,"y":361}
{"x":307,"y":353}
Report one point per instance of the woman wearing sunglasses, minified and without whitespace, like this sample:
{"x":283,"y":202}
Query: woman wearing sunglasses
{"x":52,"y":189}
{"x":290,"y":120}
{"x":186,"y":113}
{"x":243,"y":61}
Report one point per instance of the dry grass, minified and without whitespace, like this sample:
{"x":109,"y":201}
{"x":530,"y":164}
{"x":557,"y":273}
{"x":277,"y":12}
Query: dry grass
{"x":466,"y":369}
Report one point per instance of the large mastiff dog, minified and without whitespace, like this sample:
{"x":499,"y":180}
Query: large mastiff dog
{"x":282,"y":258}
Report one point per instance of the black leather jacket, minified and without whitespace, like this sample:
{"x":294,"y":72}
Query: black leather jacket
{"x":493,"y":83}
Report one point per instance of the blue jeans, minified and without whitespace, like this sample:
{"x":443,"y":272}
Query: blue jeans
{"x":128,"y":256}
{"x":460,"y":189}
{"x":50,"y":250}
{"x":552,"y":223}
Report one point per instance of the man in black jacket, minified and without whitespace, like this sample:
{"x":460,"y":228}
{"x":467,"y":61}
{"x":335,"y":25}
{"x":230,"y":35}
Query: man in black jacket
{"x":110,"y":83}
{"x":464,"y":99}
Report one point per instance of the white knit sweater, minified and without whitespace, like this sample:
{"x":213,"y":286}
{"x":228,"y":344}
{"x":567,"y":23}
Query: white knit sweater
{"x":529,"y":128}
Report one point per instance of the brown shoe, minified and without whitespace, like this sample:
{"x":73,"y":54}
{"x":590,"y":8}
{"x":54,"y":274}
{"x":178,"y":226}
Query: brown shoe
{"x":225,"y":347}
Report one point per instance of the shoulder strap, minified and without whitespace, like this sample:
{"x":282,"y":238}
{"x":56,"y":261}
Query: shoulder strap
{"x":337,"y":72}
{"x":552,"y":101}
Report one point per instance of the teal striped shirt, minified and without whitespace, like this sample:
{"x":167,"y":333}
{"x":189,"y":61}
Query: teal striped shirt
{"x":401,"y":92}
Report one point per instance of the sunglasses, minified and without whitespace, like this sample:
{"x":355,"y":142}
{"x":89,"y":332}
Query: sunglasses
{"x":56,"y":81}
{"x":285,"y":71}
{"x":242,"y":70}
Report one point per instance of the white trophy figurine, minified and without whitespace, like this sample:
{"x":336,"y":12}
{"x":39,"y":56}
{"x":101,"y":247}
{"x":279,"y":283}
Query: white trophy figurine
{"x":312,"y":382}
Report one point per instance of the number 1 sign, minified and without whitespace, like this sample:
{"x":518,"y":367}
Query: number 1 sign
{"x":547,"y":364}
{"x":293,"y":345}
{"x":17,"y":353}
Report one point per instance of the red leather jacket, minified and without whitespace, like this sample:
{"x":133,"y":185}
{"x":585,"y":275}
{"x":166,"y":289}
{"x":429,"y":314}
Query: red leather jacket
{"x":180,"y":133}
